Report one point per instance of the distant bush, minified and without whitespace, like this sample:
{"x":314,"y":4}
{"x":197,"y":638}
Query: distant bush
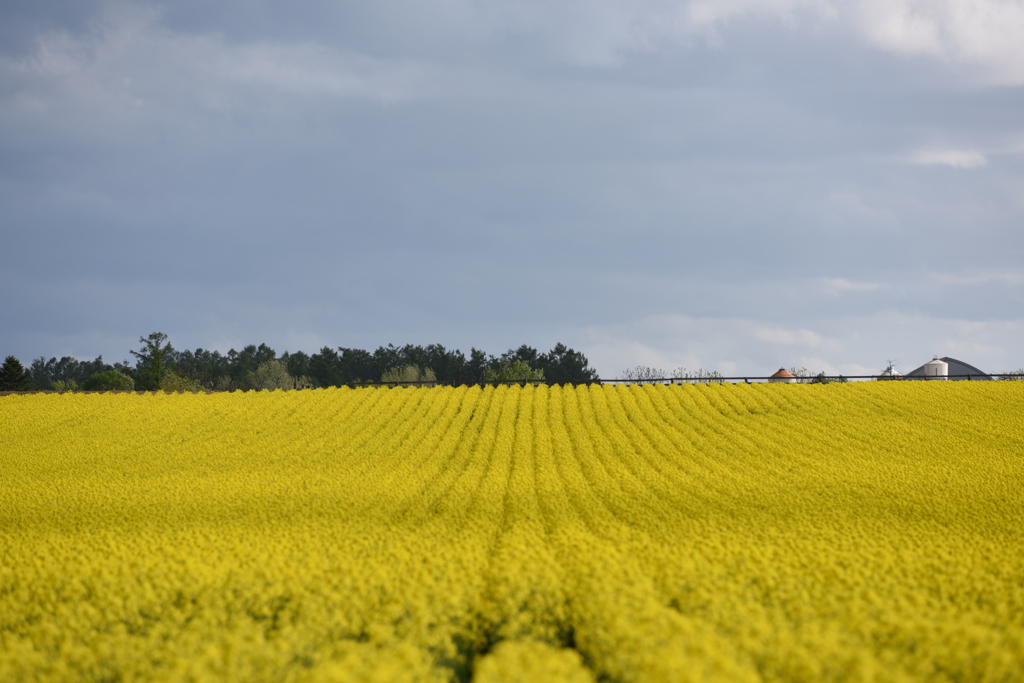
{"x":821,"y":378}
{"x":517,"y":371}
{"x":111,"y":380}
{"x":172,"y":381}
{"x":643,"y":374}
{"x":424,"y":377}
{"x":698,"y":375}
{"x":274,"y":375}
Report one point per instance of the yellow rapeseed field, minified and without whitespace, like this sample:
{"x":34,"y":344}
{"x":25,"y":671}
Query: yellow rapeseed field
{"x":841,"y":532}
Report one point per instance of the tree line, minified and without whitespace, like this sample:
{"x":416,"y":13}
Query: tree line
{"x":158,"y":365}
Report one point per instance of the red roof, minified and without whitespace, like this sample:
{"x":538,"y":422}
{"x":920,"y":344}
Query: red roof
{"x":782,"y":373}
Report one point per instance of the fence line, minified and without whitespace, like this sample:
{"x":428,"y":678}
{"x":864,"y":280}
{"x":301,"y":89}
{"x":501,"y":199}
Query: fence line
{"x":815,"y":379}
{"x":696,"y":380}
{"x":700,"y":380}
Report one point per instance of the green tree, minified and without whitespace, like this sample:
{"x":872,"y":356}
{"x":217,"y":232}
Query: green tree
{"x":563,"y":365}
{"x":354,"y":365}
{"x":152,"y":359}
{"x":272,"y":375}
{"x":69,"y":371}
{"x":13,"y":375}
{"x":224,"y":383}
{"x":527,"y":354}
{"x":206,"y":366}
{"x":387,"y":357}
{"x":411,"y":375}
{"x":446,"y":364}
{"x":325,"y":368}
{"x":475,"y":367}
{"x":63,"y":385}
{"x":298,"y":363}
{"x":111,"y":380}
{"x":172,"y":381}
{"x":514,"y":371}
{"x":248,"y":359}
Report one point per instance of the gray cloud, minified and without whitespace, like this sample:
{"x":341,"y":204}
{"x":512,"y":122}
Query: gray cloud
{"x":648,"y":182}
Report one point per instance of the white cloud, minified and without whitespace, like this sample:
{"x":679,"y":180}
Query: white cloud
{"x":898,"y":26}
{"x":712,"y":12}
{"x":1007,"y":278}
{"x":957,"y":158}
{"x":801,"y":337}
{"x":132,"y":54}
{"x":837,"y":286}
{"x":130,"y":65}
{"x":983,"y":33}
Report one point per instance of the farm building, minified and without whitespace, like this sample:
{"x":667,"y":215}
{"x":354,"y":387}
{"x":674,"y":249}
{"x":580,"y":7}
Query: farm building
{"x":890,"y":373}
{"x":956,"y":369}
{"x":782,"y":376}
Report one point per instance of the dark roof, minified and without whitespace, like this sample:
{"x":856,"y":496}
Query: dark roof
{"x":956,"y":367}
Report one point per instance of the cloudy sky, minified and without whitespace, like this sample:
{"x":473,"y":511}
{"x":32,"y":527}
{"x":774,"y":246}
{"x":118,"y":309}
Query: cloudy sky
{"x":736,"y":185}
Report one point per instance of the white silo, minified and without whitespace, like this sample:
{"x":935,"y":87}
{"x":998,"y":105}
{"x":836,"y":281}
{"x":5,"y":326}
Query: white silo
{"x":890,"y":373}
{"x":936,"y":369}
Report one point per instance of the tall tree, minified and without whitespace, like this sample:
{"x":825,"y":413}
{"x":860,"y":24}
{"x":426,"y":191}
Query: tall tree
{"x":527,"y":354}
{"x":356,"y":365}
{"x":386,"y":358}
{"x":13,"y":375}
{"x":474,"y":368}
{"x":202,"y":365}
{"x":324,"y":368}
{"x":297,"y":363}
{"x":563,"y":365}
{"x":152,"y":359}
{"x":46,"y":372}
{"x":69,"y":371}
{"x":446,"y":364}
{"x":248,"y":359}
{"x":42,"y":372}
